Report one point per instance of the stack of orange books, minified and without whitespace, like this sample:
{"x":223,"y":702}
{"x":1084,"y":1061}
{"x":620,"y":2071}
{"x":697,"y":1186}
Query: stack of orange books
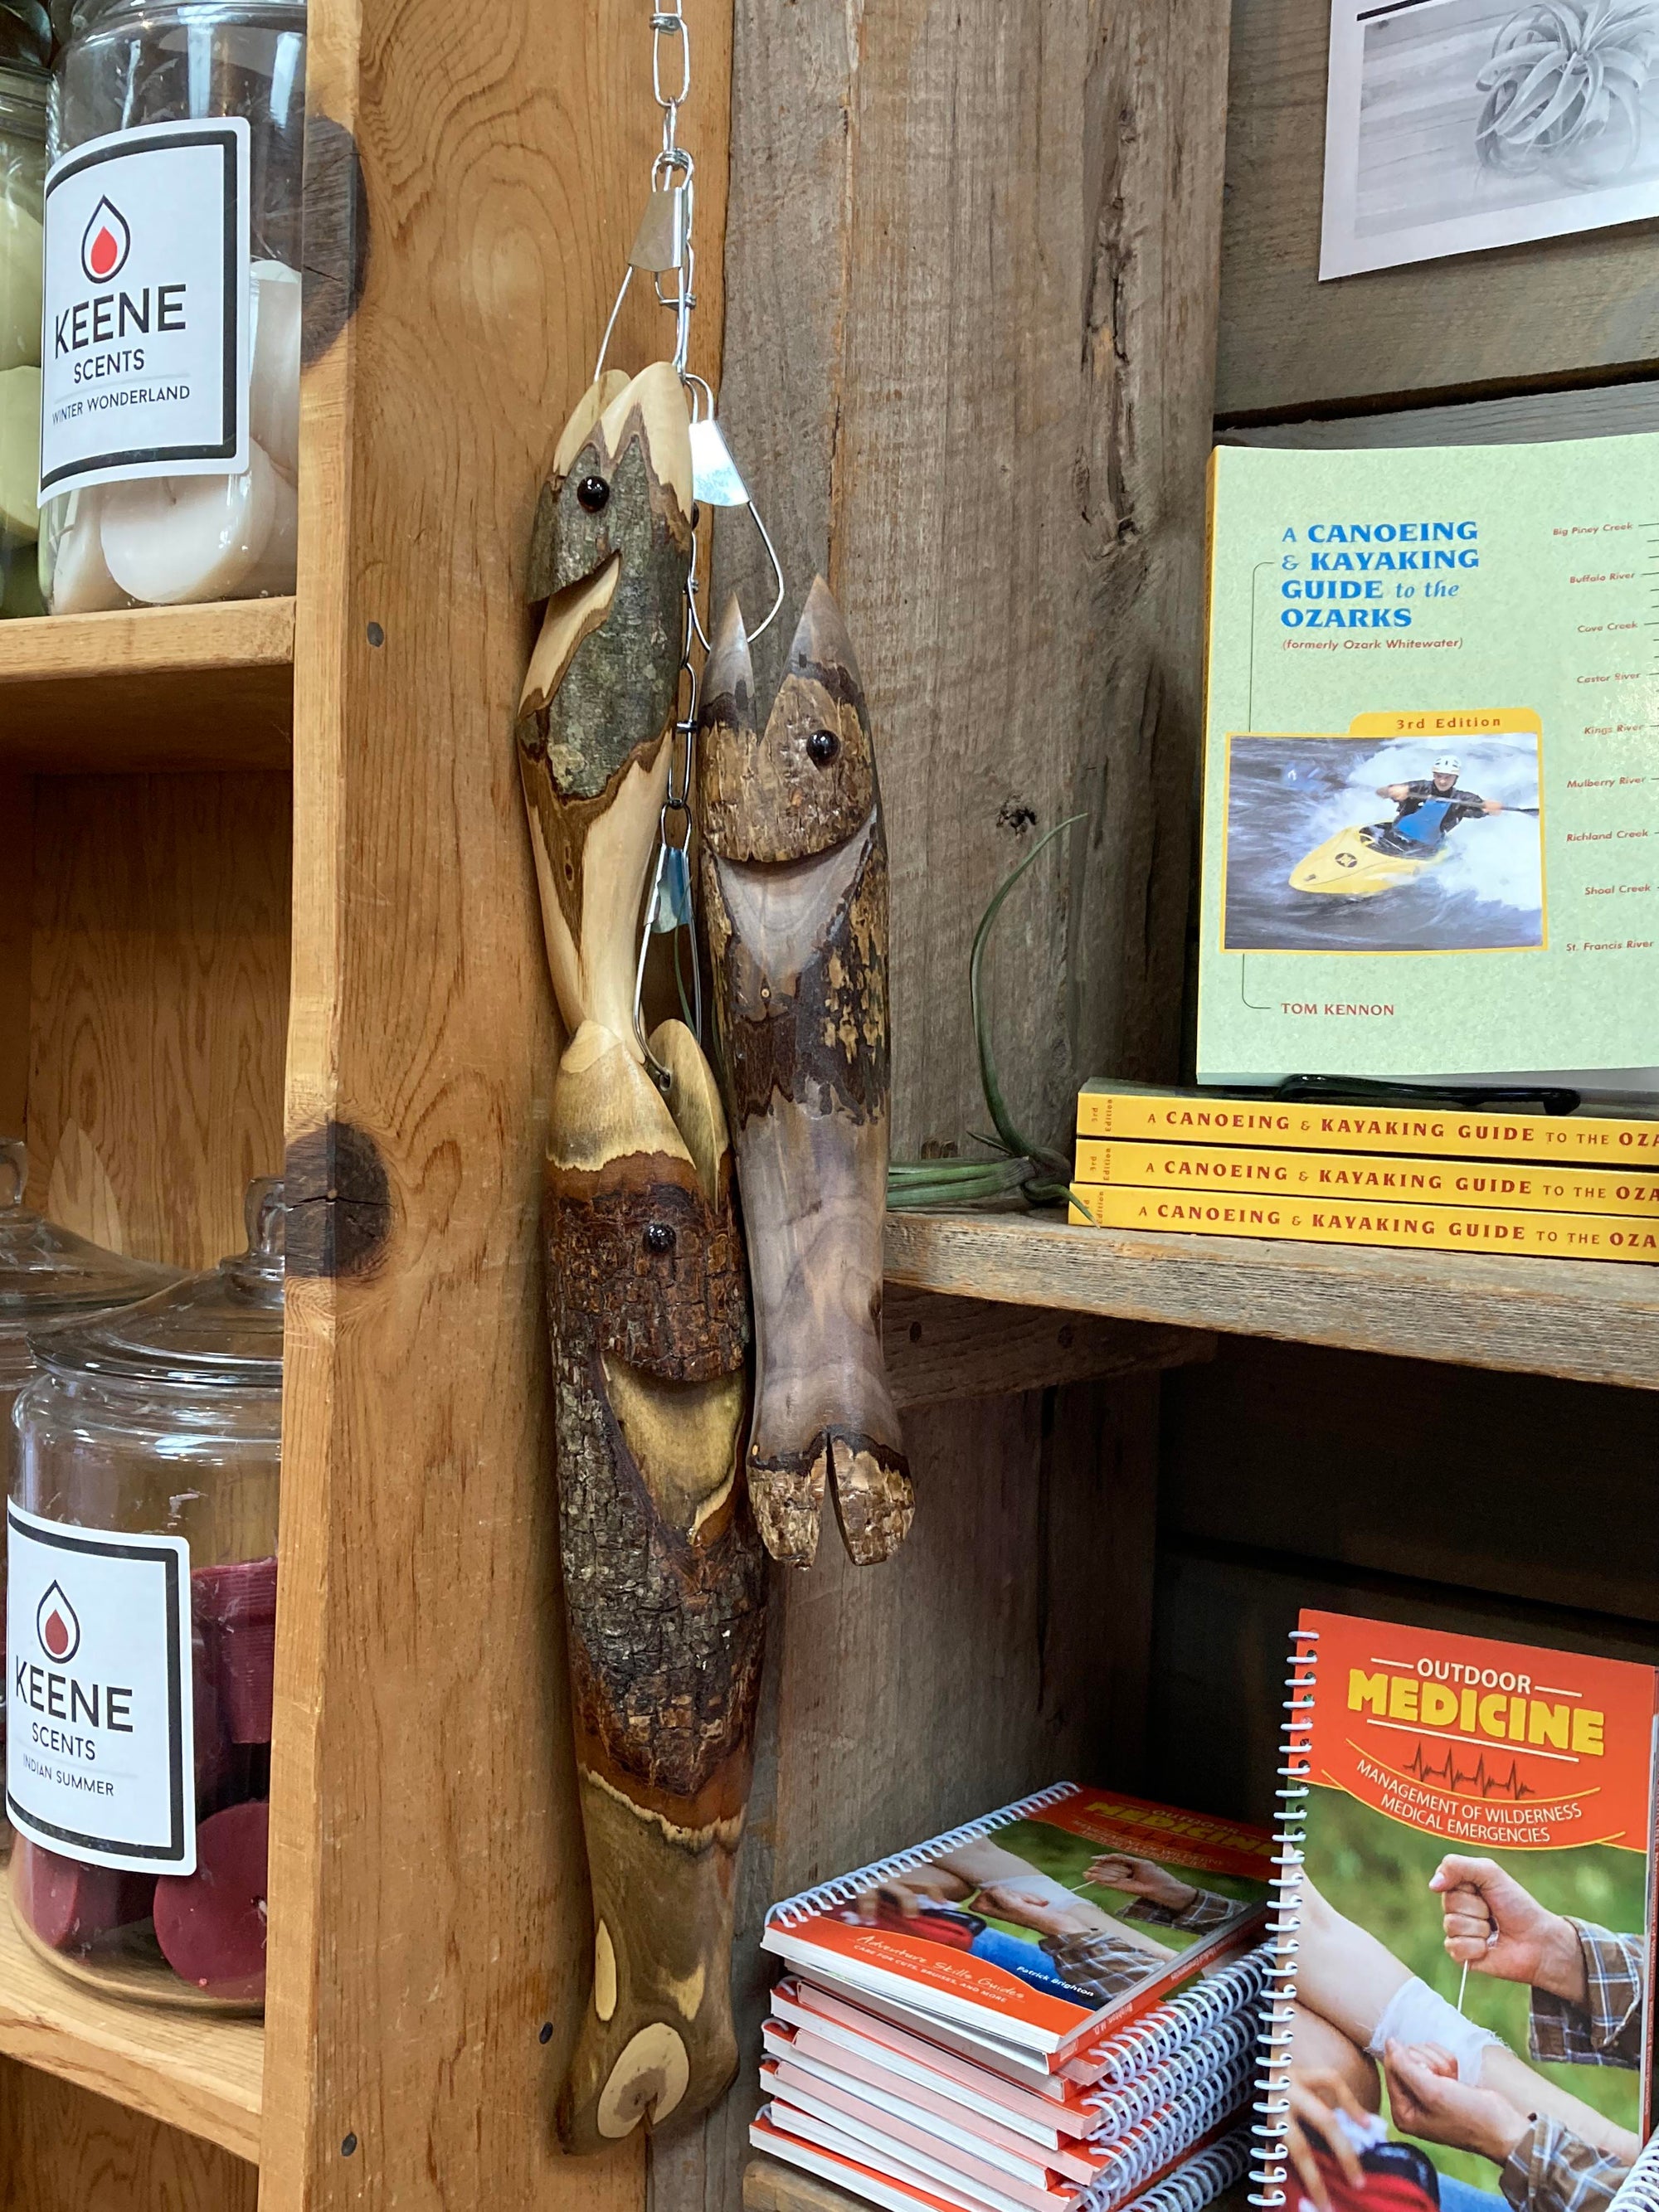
{"x":1563,"y":1187}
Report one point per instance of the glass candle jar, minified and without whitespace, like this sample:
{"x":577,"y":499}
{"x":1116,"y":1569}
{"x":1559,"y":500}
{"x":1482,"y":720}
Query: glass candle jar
{"x":22,"y":174}
{"x":46,"y":1274}
{"x":144,"y":1551}
{"x":139,"y":308}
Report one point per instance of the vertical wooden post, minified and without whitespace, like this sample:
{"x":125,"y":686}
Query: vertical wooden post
{"x":429,"y":1921}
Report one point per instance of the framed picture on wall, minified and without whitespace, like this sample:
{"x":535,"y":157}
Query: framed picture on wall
{"x":1455,"y":125}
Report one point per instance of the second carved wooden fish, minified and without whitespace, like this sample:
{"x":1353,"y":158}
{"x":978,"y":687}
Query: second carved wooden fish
{"x":795,"y":907}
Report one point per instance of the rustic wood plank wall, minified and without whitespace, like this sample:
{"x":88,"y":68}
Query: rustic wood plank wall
{"x":1562,"y":310}
{"x":971,"y":281}
{"x":1456,"y":1498}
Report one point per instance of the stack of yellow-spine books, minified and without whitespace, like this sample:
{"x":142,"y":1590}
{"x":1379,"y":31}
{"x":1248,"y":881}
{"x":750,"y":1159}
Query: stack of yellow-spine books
{"x":1560,"y":1187}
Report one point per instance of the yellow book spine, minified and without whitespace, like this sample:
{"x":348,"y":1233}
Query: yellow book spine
{"x":1567,"y":1139}
{"x":1435,"y":1228}
{"x":1389,"y":1178}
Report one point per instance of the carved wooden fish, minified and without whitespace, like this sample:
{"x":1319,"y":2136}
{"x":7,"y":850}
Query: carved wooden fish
{"x":795,"y":906}
{"x":647,"y":1307}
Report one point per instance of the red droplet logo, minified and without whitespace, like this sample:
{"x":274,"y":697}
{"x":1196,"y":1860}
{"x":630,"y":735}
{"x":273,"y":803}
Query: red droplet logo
{"x":57,"y":1627}
{"x":105,"y":243}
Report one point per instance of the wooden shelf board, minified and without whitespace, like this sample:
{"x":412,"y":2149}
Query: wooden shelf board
{"x":194,"y":2071}
{"x":150,"y":689}
{"x":1593,"y":1321}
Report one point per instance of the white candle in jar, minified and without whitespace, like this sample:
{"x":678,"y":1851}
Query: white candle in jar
{"x":170,"y":541}
{"x":272,"y":574}
{"x":273,"y":374}
{"x":20,"y":454}
{"x":75,"y":578}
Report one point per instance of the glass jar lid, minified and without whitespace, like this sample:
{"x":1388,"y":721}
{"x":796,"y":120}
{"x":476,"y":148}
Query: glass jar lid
{"x":88,"y":17}
{"x":47,"y":1271}
{"x":222,"y":1329}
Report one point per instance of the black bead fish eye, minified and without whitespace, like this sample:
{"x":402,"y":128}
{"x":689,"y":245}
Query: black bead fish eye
{"x":659,"y":1237}
{"x":822,"y":747}
{"x":591,"y":493}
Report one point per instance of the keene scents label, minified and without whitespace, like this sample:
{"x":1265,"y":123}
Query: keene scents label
{"x":144,"y":336}
{"x":101,"y":1762}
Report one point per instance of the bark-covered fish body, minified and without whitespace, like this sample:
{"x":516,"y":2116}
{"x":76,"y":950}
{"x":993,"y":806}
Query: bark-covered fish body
{"x":647,"y":1306}
{"x":795,"y":910}
{"x":665,"y":1585}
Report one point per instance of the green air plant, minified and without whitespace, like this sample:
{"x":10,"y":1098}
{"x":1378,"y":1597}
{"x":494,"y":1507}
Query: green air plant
{"x":1562,"y":73}
{"x":1015,"y":1164}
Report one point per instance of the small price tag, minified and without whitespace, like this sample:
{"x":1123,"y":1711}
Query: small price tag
{"x":672,"y":906}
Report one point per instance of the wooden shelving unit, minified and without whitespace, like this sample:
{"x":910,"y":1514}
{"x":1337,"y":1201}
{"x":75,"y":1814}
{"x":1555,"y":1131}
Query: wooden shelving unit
{"x":155,"y":688}
{"x":192,"y":2071}
{"x":1590,"y":1320}
{"x":268,"y":901}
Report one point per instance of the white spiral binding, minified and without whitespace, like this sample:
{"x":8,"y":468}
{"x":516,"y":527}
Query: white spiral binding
{"x":1201,"y":2179}
{"x":848,"y":1887}
{"x":1220,"y":2046}
{"x":1168,"y":2027}
{"x":1640,"y":2190}
{"x":1272,"y":2103}
{"x":1151,"y":2145}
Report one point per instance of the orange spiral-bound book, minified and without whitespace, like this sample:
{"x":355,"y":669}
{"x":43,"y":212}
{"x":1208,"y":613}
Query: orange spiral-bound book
{"x":1462,"y":2004}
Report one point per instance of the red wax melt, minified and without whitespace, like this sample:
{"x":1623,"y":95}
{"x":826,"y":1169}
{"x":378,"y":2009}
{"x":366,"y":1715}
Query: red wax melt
{"x":68,"y":1904}
{"x":239,"y":1601}
{"x":211,"y":1924}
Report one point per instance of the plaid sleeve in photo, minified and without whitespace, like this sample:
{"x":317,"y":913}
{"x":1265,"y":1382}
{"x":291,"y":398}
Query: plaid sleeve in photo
{"x":1606,"y":2031}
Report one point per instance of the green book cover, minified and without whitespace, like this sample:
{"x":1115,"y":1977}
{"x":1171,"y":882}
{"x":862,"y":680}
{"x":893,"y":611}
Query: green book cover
{"x":1432,"y":764}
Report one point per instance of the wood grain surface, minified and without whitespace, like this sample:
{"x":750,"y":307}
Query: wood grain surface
{"x":17,"y":932}
{"x":971,"y":278}
{"x":62,"y":2149}
{"x":194,"y":2072}
{"x":1610,"y":410}
{"x":1419,"y":1504}
{"x":1556,"y":310}
{"x":768,"y":2185}
{"x":429,"y":1905}
{"x":939,"y":1348}
{"x":1003,"y":1647}
{"x":1593,"y":1320}
{"x":160,"y":1004}
{"x":149,"y":688}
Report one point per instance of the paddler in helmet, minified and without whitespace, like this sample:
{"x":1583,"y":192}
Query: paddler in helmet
{"x":1428,"y":809}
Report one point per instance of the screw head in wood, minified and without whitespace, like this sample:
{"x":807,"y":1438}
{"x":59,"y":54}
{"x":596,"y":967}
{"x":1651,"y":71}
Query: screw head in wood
{"x":591,"y":493}
{"x":822,"y":747}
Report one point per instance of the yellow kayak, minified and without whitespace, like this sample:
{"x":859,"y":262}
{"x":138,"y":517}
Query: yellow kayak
{"x":1348,"y":865}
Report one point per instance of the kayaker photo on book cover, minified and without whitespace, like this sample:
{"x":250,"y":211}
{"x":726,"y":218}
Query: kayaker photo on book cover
{"x":1410,"y":650}
{"x":1472,"y":1919}
{"x":1339,"y":844}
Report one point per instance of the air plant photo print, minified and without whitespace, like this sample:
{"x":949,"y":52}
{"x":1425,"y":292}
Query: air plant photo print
{"x":1455,"y":125}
